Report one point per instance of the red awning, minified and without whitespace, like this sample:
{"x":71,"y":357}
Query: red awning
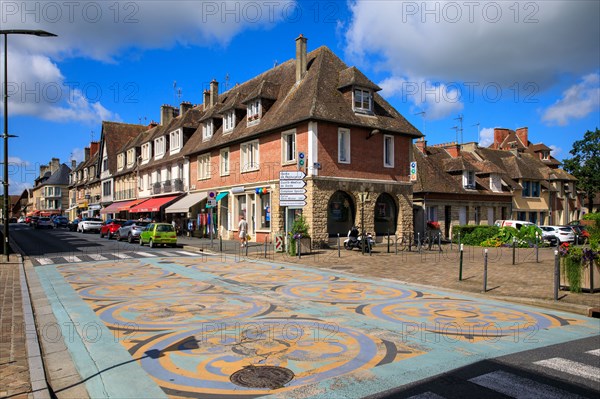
{"x":128,"y":205}
{"x":115,"y":207}
{"x":152,"y":204}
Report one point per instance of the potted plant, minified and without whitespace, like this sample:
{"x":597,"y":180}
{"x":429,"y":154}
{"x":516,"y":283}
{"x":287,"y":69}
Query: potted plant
{"x":579,"y":268}
{"x":299,"y":233}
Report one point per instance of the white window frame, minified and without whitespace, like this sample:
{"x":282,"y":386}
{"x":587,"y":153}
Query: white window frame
{"x":105,"y":164}
{"x":175,"y":142}
{"x":224,"y":163}
{"x":229,"y":121}
{"x":204,"y":171}
{"x":207,"y":129}
{"x":159,"y":147}
{"x":390,"y":162}
{"x":467,"y":174}
{"x":288,"y":156}
{"x":250,"y":156}
{"x":120,"y":161}
{"x":130,"y":157}
{"x":346,"y":144}
{"x":146,"y":152}
{"x":363,"y":92}
{"x":253,"y":112}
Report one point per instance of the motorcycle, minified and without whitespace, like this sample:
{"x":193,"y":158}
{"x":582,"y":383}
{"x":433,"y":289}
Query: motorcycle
{"x":355,"y":240}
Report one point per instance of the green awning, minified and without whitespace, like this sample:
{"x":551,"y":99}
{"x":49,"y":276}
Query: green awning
{"x":220,"y":196}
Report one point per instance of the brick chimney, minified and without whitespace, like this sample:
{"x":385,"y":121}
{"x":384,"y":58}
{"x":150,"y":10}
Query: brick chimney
{"x":214,"y":92}
{"x":206,"y":98}
{"x":167,"y":113}
{"x":300,"y":57}
{"x":453,"y":149}
{"x":152,"y":124}
{"x":73,"y":164}
{"x":54,"y":165}
{"x":86,"y":153}
{"x":421,"y":144}
{"x":522,"y":134}
{"x":43,"y":169}
{"x":94,"y":147}
{"x":499,"y":135}
{"x":184,"y":107}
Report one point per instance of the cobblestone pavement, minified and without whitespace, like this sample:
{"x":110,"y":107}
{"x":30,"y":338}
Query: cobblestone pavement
{"x":14,"y":371}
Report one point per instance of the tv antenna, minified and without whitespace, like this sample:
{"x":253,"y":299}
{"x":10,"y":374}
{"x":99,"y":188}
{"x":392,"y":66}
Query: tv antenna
{"x":478,"y":138}
{"x":91,"y":136}
{"x":227,"y":81}
{"x":177,"y":92}
{"x":422,"y":113}
{"x":140,"y":119}
{"x":459,"y":128}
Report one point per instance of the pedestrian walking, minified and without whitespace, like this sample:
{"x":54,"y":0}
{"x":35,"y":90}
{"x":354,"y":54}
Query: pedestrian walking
{"x":243,"y":230}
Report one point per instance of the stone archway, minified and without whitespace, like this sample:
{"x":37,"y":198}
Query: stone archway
{"x":341,"y":212}
{"x":386,"y":215}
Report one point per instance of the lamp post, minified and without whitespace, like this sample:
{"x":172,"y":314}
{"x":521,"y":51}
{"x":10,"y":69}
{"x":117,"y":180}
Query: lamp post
{"x":5,"y":136}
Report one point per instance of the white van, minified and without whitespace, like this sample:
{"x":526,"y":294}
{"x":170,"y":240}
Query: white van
{"x":517,"y":224}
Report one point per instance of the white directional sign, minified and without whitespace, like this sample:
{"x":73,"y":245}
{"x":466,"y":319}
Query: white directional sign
{"x":292,"y":203}
{"x":291,"y":184}
{"x":292,"y":191}
{"x":291,"y":197}
{"x":296,"y":175}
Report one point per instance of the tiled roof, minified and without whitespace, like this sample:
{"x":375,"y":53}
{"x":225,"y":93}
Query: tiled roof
{"x":60,"y":177}
{"x":353,"y":77}
{"x":115,"y":135}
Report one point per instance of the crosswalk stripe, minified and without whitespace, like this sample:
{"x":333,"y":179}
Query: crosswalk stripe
{"x":571,"y":367}
{"x":160,"y":253}
{"x":44,"y":261}
{"x":146,"y":254}
{"x":595,"y":352}
{"x":97,"y":257}
{"x":427,"y":395}
{"x":519,"y":387}
{"x":122,"y":256}
{"x":186,"y":253}
{"x":72,"y":259}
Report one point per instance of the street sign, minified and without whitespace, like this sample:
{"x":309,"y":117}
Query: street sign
{"x":283,"y":184}
{"x":211,"y":202}
{"x":292,"y":191}
{"x":291,"y":197}
{"x":296,"y":175}
{"x":292,"y":203}
{"x":413,"y":171}
{"x":278,"y":243}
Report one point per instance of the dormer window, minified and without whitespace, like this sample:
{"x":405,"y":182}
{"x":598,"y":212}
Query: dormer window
{"x":469,"y":179}
{"x":545,"y":155}
{"x":363,"y":100}
{"x":175,"y":141}
{"x":85,"y":174}
{"x":120,"y":161}
{"x":254,"y":111}
{"x":229,"y":121}
{"x":159,"y":147}
{"x":146,"y":152}
{"x":207,"y":130}
{"x":495,"y":183}
{"x":130,"y":157}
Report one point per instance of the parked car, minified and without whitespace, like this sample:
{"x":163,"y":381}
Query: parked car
{"x":27,"y":219}
{"x":12,"y":220}
{"x":33,"y":220}
{"x":72,"y":225}
{"x":562,"y":233}
{"x":581,"y":233}
{"x":131,"y":230}
{"x":109,"y":228}
{"x":21,"y":219}
{"x":158,"y":233}
{"x":60,"y":221}
{"x":549,"y":235}
{"x":89,"y":224}
{"x":44,"y":223}
{"x":517,"y":224}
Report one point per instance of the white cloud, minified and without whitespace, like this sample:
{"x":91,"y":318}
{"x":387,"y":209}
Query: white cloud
{"x":577,"y":102}
{"x":486,"y":136}
{"x":437,"y":100}
{"x":555,"y":151}
{"x":476,"y":42}
{"x":17,"y":187}
{"x":77,"y":154}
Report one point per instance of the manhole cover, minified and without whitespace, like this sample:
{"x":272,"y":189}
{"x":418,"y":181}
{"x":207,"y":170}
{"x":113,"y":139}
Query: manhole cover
{"x":271,"y":377}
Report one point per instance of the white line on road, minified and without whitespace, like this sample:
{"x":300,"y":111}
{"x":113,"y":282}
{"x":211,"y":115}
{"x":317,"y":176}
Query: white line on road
{"x":97,"y":257}
{"x":571,"y":367}
{"x":72,"y":259}
{"x":122,"y":256}
{"x":146,"y":254}
{"x":595,"y":352}
{"x":519,"y":387}
{"x":188,"y":253}
{"x":44,"y":261}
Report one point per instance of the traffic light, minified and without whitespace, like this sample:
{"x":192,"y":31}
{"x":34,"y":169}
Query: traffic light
{"x":301,"y":161}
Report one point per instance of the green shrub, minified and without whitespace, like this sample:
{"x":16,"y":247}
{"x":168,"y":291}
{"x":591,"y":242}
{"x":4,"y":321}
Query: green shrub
{"x":299,"y":230}
{"x":592,"y":216}
{"x":474,"y":235}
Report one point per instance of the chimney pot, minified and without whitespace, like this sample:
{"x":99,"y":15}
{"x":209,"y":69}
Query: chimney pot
{"x":167,"y":113}
{"x":73,"y":164}
{"x":86,"y":153}
{"x":206,"y":99}
{"x":184,"y":107}
{"x":301,"y":64}
{"x":214,"y":92}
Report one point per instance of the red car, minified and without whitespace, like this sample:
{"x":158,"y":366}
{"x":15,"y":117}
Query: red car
{"x":109,"y":228}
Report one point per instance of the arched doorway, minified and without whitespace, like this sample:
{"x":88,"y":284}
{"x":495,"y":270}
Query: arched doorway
{"x":386,"y":215}
{"x":340,"y":214}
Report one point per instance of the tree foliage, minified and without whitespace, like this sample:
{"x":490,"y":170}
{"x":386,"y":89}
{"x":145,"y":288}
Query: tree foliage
{"x":585,"y":163}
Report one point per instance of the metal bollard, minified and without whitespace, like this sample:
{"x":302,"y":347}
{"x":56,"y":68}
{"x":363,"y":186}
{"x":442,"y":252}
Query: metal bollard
{"x":514,"y":250}
{"x":339,"y":253}
{"x":556,"y":274}
{"x":440,"y":241}
{"x":592,"y":276}
{"x":220,"y":244}
{"x":460,"y":267}
{"x":388,"y":236}
{"x":419,"y":242}
{"x":485,"y":263}
{"x":537,"y":249}
{"x":298,"y":248}
{"x":246,"y":248}
{"x":265,"y":247}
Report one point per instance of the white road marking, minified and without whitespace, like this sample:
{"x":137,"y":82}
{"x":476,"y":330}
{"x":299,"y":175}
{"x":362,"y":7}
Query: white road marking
{"x":122,"y":256}
{"x":146,"y":254}
{"x":97,"y":257}
{"x":188,"y":253}
{"x":519,"y":387}
{"x":571,"y":367}
{"x":44,"y":261}
{"x":595,"y":352}
{"x":72,"y":259}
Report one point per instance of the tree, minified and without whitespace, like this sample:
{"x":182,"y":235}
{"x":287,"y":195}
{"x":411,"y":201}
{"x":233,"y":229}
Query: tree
{"x":585,"y":164}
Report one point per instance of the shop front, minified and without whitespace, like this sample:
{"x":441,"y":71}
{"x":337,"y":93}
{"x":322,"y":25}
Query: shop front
{"x":152,"y":208}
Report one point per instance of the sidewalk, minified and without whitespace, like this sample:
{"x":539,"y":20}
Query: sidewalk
{"x":527,"y":281}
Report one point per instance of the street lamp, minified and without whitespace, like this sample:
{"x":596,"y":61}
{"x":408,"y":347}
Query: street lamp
{"x":5,"y":136}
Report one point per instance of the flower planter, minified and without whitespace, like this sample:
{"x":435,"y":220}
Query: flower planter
{"x":305,"y":246}
{"x":590,"y":277}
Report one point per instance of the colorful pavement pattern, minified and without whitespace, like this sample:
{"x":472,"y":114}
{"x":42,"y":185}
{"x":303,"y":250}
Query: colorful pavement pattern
{"x":190,"y":323}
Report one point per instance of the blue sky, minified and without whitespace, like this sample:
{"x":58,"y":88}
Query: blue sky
{"x":499,"y":64}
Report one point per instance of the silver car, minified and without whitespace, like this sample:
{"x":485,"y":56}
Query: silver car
{"x":44,"y":223}
{"x":562,"y":233}
{"x":130,"y":230}
{"x":89,"y":224}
